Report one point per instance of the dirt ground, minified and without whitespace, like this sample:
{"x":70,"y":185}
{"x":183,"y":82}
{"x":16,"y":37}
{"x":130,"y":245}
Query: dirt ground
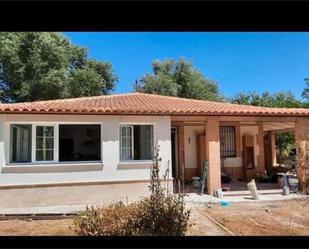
{"x":36,"y":227}
{"x":289,"y":217}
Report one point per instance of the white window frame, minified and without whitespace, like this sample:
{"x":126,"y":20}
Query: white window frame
{"x":132,"y":141}
{"x":33,"y":148}
{"x":56,"y":124}
{"x":120,"y":139}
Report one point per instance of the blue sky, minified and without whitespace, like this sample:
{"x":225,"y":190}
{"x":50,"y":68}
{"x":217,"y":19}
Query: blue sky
{"x":238,"y":62}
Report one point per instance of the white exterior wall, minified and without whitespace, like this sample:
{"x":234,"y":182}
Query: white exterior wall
{"x":110,"y":169}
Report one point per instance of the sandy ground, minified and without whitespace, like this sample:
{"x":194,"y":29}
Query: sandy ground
{"x":36,"y":227}
{"x":289,"y":217}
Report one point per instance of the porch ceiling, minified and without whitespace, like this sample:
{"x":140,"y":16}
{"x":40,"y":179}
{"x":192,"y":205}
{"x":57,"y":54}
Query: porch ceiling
{"x":276,"y":126}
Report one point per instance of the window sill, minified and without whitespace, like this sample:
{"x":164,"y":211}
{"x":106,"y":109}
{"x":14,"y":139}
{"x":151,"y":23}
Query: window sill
{"x":53,"y":167}
{"x":141,"y":164}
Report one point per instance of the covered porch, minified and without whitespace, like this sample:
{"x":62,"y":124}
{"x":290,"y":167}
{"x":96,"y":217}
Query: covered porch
{"x":241,"y":147}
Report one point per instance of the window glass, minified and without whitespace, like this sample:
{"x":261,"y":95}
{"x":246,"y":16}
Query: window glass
{"x":79,"y":142}
{"x":136,"y":142}
{"x":20,"y":142}
{"x":227,"y":141}
{"x":126,"y":142}
{"x":44,"y":143}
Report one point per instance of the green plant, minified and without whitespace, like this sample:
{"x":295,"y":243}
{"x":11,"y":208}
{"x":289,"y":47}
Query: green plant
{"x":285,"y":143}
{"x":162,"y":213}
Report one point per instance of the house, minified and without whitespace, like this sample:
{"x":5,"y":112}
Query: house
{"x":99,"y":149}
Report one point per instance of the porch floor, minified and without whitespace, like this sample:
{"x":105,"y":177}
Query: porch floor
{"x":238,"y":188}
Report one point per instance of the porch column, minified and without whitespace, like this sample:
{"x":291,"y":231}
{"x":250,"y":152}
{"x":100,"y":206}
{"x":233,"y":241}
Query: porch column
{"x":261,"y":156}
{"x":302,"y":143}
{"x":213,"y":154}
{"x":273,"y":148}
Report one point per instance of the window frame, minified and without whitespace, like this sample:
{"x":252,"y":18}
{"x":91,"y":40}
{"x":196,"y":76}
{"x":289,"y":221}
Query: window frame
{"x":55,"y":124}
{"x":234,"y":144}
{"x":34,"y":149}
{"x":120,"y":139}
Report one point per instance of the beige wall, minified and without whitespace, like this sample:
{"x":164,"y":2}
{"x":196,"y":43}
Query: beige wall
{"x":111,"y":168}
{"x":190,"y":132}
{"x":253,"y":131}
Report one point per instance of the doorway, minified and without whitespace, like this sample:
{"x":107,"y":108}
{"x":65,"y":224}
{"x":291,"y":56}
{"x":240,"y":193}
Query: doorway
{"x":174,"y":138}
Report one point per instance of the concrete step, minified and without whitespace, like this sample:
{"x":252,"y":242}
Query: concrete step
{"x":247,"y":192}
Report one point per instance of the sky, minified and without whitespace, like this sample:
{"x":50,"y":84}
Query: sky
{"x":238,"y":62}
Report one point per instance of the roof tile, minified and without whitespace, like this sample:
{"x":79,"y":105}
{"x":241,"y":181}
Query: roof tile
{"x":142,"y":103}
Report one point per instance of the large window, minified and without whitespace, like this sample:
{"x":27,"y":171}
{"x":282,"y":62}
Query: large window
{"x":20,"y":143}
{"x":227,"y":141}
{"x":136,"y":142}
{"x":54,"y":143}
{"x":79,"y":143}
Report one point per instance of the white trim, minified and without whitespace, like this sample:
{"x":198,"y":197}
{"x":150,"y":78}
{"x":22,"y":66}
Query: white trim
{"x":34,"y":149}
{"x":54,"y":163}
{"x":131,"y":124}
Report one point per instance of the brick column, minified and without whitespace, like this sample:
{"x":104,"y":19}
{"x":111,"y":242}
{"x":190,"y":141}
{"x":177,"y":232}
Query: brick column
{"x":261,"y":156}
{"x":213,"y":154}
{"x":302,"y":141}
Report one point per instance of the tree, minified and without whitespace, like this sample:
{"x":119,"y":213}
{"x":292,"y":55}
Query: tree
{"x":178,"y":78}
{"x":285,"y":142}
{"x":305,"y":93}
{"x":280,"y":99}
{"x":46,"y":65}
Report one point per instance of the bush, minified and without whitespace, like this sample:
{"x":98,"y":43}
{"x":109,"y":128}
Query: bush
{"x":163,"y":213}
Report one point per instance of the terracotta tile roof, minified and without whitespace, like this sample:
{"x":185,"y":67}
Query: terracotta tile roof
{"x":148,"y":104}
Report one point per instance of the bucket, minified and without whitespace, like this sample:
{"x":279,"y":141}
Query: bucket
{"x":293,"y":183}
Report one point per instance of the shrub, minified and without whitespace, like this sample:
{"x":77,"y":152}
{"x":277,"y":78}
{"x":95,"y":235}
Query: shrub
{"x":110,"y":220}
{"x":163,"y":213}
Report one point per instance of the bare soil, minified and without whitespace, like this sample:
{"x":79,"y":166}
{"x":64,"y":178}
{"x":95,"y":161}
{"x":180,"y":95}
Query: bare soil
{"x":289,"y":217}
{"x":18,"y":227}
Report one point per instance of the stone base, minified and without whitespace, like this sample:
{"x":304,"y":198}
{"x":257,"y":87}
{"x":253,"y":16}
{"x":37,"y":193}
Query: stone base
{"x":72,"y":194}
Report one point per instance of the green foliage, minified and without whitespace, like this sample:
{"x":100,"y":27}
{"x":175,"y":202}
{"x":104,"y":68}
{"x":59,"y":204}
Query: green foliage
{"x":280,"y":99}
{"x":178,"y":78}
{"x":305,"y":93}
{"x":163,"y":213}
{"x":46,"y":65}
{"x":285,"y":143}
